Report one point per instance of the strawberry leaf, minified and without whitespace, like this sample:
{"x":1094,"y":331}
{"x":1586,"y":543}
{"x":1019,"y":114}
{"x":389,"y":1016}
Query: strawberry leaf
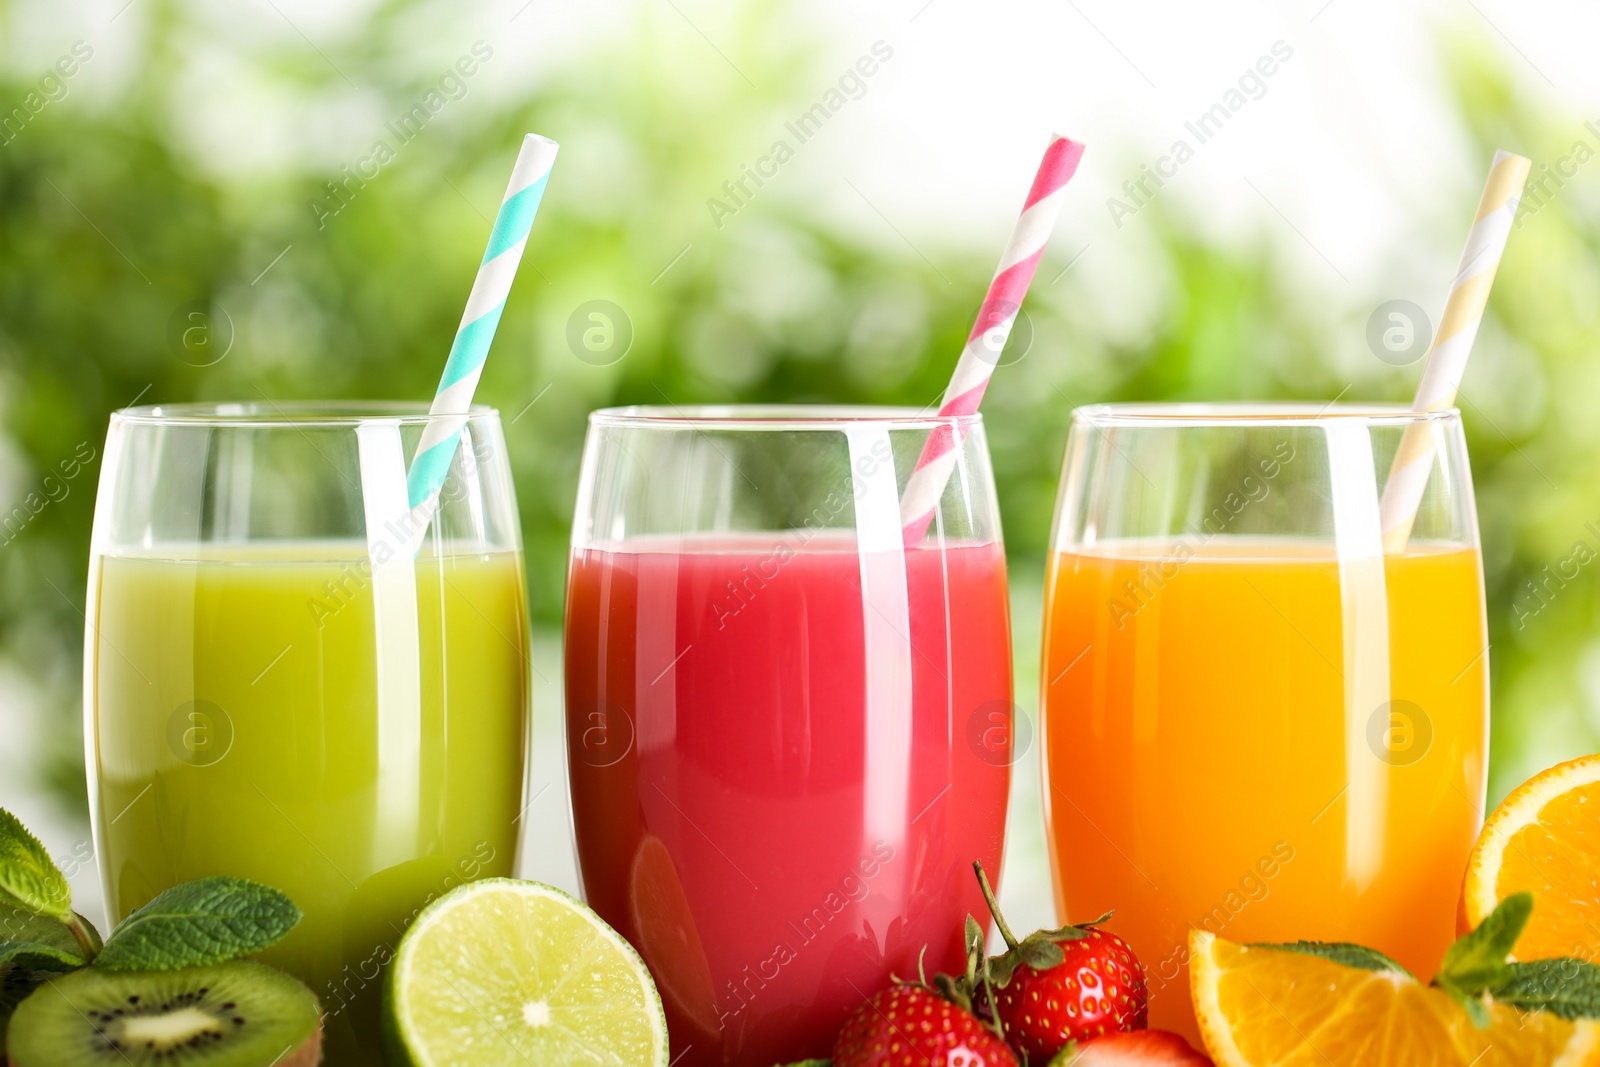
{"x":1566,"y":987}
{"x":1344,"y":954}
{"x":953,"y":990}
{"x":1000,"y":968}
{"x":974,"y":936}
{"x":1041,"y":953}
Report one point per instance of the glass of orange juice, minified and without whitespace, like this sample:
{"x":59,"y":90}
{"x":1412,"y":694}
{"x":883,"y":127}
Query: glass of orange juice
{"x":1255,"y":720}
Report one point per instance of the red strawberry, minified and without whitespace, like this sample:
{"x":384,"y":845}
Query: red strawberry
{"x":1141,"y":1048}
{"x":1059,"y":986}
{"x":911,"y":1026}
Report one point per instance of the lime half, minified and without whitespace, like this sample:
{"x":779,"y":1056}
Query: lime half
{"x":506,"y":972}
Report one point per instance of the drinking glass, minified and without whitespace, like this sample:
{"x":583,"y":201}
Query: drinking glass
{"x":787,"y":732}
{"x":1255,"y":721}
{"x":285,"y":681}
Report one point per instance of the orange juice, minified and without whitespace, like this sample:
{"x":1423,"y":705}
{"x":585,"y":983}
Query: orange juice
{"x":1237,"y":737}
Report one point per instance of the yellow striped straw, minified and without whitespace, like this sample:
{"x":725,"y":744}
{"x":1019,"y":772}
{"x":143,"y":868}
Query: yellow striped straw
{"x":1447,"y":360}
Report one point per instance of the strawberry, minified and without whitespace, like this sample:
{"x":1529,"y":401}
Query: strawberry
{"x":1059,"y":986}
{"x":909,"y":1025}
{"x":1140,"y":1048}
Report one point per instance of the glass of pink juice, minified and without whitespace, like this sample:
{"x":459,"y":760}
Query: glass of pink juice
{"x":788,"y":733}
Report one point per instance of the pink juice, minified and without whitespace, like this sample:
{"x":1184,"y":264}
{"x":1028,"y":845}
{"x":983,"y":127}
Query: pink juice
{"x":779,"y":783}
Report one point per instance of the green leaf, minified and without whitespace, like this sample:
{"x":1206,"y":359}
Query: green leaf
{"x":952,"y":989}
{"x":1002,"y":967}
{"x":1477,"y":961}
{"x":28,"y":878}
{"x":1472,"y":1003}
{"x":1344,"y":954}
{"x":1064,"y":1058}
{"x":33,"y":956}
{"x":974,"y":936}
{"x":1041,"y":953}
{"x":199,"y":923}
{"x":1565,"y":987}
{"x":23,"y":927}
{"x":34,"y":949}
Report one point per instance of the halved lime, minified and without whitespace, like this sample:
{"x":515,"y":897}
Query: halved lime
{"x":506,"y":972}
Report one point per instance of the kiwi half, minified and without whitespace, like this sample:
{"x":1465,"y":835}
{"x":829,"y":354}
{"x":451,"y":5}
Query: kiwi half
{"x":237,"y":1014}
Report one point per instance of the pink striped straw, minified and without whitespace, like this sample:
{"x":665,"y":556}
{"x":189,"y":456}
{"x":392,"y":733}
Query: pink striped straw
{"x":988,"y":337}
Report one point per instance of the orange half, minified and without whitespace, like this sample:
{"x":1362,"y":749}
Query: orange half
{"x":1545,"y":840}
{"x":1263,"y":1006}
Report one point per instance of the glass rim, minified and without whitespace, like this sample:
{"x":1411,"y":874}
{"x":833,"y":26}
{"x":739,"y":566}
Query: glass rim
{"x":1190,"y":414}
{"x":288,"y":414}
{"x":777,"y":417}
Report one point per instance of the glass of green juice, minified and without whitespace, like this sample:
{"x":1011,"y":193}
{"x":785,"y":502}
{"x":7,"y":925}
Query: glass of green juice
{"x":291,"y":677}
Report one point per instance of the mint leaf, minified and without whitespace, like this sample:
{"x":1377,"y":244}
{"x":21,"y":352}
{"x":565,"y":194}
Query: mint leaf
{"x":197,"y":923}
{"x":1347,"y":955}
{"x":32,"y":950}
{"x":1477,"y":961}
{"x":28,"y":878}
{"x":22,"y":927}
{"x":1472,"y":1003}
{"x":1565,"y":987}
{"x":32,"y":956}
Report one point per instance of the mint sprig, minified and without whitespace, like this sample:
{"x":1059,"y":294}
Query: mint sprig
{"x":194,"y":924}
{"x":1478,"y":962}
{"x":190,"y":925}
{"x":199,"y":923}
{"x":1477,"y":969}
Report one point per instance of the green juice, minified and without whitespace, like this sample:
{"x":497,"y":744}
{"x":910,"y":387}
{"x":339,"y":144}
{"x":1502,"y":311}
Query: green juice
{"x":292,"y":713}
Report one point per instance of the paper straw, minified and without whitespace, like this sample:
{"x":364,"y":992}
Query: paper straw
{"x":1447,"y":360}
{"x":988,"y":337}
{"x":448,"y":415}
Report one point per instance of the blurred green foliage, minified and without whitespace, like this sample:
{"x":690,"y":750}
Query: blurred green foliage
{"x":113,"y":218}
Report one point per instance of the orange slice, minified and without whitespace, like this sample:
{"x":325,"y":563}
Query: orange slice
{"x":1545,"y":840}
{"x":667,"y":937}
{"x":1263,"y":1006}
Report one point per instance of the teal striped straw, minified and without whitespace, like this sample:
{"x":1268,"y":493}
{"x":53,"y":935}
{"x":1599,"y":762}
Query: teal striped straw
{"x":448,"y":415}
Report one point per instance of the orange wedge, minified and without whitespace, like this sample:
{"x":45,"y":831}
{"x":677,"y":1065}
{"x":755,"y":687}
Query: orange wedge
{"x":1263,"y":1006}
{"x":1545,"y":840}
{"x":668,"y":939}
